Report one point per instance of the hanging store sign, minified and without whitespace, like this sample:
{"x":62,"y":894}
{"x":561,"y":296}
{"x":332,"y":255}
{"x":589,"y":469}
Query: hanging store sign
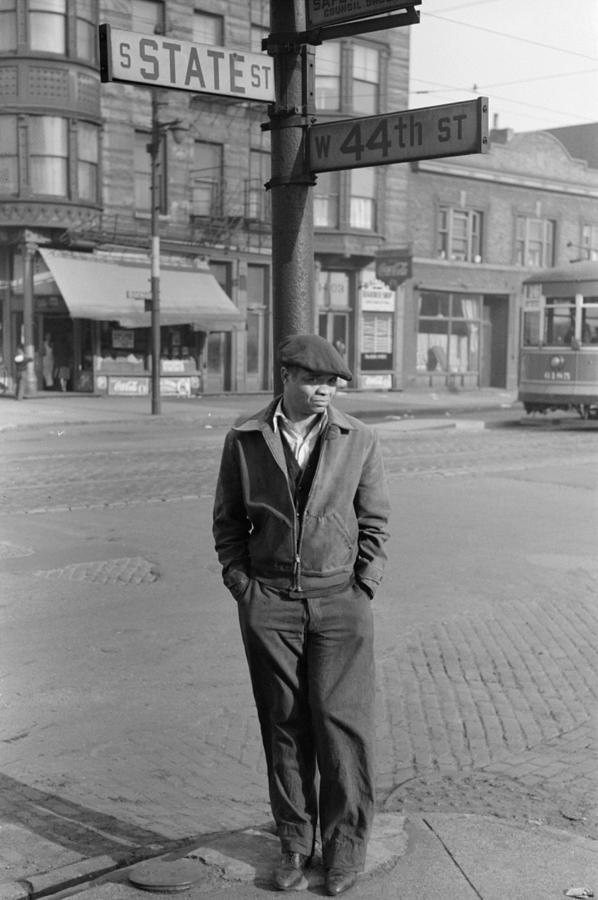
{"x":157,"y":60}
{"x":453,"y":129}
{"x":331,"y":12}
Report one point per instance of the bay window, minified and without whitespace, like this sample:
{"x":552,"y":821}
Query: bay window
{"x":8,"y":25}
{"x":326,"y":200}
{"x":87,"y":162}
{"x":328,"y":76}
{"x":47,"y":26}
{"x":363,"y":198}
{"x":9,"y":161}
{"x":366,"y":80}
{"x":48,"y":158}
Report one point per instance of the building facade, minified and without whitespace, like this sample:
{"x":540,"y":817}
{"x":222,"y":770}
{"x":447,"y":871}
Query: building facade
{"x":479,"y":226}
{"x":75,"y":205}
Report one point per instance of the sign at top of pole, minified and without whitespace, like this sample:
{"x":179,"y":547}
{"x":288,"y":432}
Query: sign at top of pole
{"x":159,"y":61}
{"x":330,"y":12}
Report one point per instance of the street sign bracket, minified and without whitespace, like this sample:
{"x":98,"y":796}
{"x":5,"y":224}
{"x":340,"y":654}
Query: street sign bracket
{"x":283,"y":181}
{"x":290,"y":41}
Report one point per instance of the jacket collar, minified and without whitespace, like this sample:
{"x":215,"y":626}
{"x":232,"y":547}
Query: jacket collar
{"x":263,"y":419}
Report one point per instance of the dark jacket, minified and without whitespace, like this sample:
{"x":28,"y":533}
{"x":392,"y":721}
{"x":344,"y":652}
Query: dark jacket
{"x":258,"y":531}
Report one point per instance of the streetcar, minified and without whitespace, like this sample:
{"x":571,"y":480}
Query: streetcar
{"x":558,"y":358}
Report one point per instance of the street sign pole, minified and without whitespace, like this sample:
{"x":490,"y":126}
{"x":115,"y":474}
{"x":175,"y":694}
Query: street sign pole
{"x":290,"y":183}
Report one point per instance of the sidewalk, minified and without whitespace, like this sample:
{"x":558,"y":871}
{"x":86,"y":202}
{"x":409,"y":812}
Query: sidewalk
{"x":55,"y":409}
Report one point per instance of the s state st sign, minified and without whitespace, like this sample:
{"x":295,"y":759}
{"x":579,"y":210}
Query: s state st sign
{"x":156,"y":60}
{"x":453,"y":129}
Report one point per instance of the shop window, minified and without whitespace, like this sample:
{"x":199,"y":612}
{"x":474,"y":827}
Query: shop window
{"x":208,"y":29}
{"x":86,"y":30}
{"x":258,"y":205}
{"x":148,"y":16}
{"x":366,"y":80}
{"x":460,"y":234}
{"x":257,"y":309}
{"x":8,"y":26}
{"x":449,"y":328}
{"x":363,"y":199}
{"x":87,"y":161}
{"x":143,"y":174}
{"x":47,"y":26}
{"x":48,"y":158}
{"x":206,"y":179}
{"x":326,"y":200}
{"x":534,"y":242}
{"x":589,"y":241}
{"x":9,"y":163}
{"x":328,"y":76}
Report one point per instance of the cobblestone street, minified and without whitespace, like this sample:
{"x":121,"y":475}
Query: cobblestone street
{"x":487,"y":693}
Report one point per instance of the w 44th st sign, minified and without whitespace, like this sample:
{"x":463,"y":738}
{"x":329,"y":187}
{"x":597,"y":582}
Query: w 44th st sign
{"x":454,"y":129}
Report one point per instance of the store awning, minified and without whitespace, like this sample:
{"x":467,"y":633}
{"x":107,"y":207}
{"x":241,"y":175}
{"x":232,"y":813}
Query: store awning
{"x":114,"y":287}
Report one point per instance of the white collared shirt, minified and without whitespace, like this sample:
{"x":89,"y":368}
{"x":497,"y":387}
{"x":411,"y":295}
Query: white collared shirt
{"x":300,"y":444}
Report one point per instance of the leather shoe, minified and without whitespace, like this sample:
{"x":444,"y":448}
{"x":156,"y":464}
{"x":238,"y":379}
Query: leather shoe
{"x":288,"y":875}
{"x":339,"y":880}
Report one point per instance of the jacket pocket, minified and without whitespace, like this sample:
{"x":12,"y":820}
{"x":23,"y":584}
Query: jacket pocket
{"x":329,"y":543}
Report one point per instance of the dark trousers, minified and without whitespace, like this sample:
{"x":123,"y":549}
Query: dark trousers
{"x":312,"y":671}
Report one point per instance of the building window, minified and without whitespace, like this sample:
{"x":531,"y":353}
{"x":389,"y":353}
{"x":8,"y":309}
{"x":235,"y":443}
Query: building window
{"x":9,"y":162}
{"x":326,"y":200}
{"x":143,"y":173}
{"x":534,"y":242}
{"x":449,"y":327}
{"x":366,"y":80}
{"x":8,"y":25}
{"x":47,"y":26}
{"x":363,"y":199}
{"x":258,"y":33}
{"x":208,"y":29}
{"x":589,"y":241}
{"x":257,"y":307}
{"x":148,"y":16}
{"x":257,"y":200}
{"x":206,"y":179}
{"x":328,"y":76}
{"x":460,"y":234}
{"x":87,"y":162}
{"x":48,"y":158}
{"x":86,"y":26}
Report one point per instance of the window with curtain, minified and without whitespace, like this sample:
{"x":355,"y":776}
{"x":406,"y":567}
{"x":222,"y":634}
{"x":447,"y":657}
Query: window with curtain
{"x":147,"y":16}
{"x":326,"y":200}
{"x":460,"y":234}
{"x":87,"y":161}
{"x":47,"y":26}
{"x":589,"y":241}
{"x":534,"y":242}
{"x":208,"y":29}
{"x":48,"y":155}
{"x":449,"y":327}
{"x":257,"y":199}
{"x":86,"y":27}
{"x":328,"y":76}
{"x":9,"y":160}
{"x":8,"y":25}
{"x":363,"y":198}
{"x":206,"y":179}
{"x":142,"y":169}
{"x":365,"y":80}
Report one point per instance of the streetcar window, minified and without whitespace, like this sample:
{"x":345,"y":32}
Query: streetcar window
{"x":559,"y":322}
{"x":589,"y":328}
{"x":531,"y":328}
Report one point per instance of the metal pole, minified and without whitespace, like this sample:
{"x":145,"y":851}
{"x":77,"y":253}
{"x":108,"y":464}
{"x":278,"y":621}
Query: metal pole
{"x":29,"y":376}
{"x":154,"y":148}
{"x":292,"y":201}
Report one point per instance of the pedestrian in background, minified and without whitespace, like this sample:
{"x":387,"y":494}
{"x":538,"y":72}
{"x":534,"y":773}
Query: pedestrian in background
{"x":300,"y":520}
{"x":21,"y":361}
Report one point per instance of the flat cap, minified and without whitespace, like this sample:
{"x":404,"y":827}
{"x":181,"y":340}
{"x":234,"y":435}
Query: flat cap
{"x":312,"y":352}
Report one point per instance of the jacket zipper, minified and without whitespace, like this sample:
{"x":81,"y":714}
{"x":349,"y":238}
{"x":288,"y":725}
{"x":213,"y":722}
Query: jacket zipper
{"x":299,"y":536}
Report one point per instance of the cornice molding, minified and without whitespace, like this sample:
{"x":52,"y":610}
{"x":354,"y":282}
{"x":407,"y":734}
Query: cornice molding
{"x":506,"y":178}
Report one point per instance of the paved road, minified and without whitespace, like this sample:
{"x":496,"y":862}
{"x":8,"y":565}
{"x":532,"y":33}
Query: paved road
{"x":126,"y":713}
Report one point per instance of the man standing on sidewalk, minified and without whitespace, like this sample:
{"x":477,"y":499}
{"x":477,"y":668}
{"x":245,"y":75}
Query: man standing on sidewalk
{"x":300,"y":520}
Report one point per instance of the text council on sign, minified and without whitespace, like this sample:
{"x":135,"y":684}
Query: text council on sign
{"x":158,"y":60}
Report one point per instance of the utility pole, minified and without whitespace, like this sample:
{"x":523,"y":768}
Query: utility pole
{"x":291,"y":183}
{"x":154,"y":151}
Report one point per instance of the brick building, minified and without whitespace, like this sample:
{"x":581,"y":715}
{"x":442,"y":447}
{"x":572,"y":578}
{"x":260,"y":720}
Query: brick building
{"x":75,"y":204}
{"x":479,"y":225}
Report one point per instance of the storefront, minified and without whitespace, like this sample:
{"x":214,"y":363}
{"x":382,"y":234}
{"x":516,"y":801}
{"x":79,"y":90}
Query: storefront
{"x":93,"y":323}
